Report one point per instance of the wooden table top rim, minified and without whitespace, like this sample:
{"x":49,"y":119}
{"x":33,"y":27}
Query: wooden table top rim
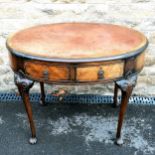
{"x":128,"y":54}
{"x":81,"y":60}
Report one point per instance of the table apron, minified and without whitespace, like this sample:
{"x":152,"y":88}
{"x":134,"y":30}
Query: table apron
{"x":93,"y":72}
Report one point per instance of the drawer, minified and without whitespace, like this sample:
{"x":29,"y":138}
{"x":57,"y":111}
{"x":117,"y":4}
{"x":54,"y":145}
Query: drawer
{"x":102,"y":72}
{"x":46,"y":72}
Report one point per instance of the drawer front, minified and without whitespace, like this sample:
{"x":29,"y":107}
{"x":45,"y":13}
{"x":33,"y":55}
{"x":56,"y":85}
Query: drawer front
{"x":101,"y":72}
{"x":46,"y":72}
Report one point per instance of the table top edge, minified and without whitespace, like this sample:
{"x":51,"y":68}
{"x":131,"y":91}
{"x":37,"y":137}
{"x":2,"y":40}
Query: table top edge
{"x":81,"y":60}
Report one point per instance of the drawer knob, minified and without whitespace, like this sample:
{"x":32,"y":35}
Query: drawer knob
{"x":45,"y":74}
{"x":100,"y":73}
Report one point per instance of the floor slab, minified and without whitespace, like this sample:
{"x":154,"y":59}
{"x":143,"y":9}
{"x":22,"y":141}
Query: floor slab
{"x":76,"y":129}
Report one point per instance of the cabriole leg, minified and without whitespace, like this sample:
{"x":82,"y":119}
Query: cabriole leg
{"x":126,"y":86}
{"x":24,"y":86}
{"x":42,"y":99}
{"x":115,"y":104}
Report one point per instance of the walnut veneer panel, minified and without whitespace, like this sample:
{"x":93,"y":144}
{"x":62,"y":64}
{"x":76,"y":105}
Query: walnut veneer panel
{"x":76,"y":40}
{"x":111,"y":71}
{"x":46,"y":72}
{"x":140,"y":60}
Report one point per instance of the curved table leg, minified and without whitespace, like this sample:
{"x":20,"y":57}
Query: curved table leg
{"x":126,"y":86}
{"x":24,"y":86}
{"x":115,"y":103}
{"x":42,"y":99}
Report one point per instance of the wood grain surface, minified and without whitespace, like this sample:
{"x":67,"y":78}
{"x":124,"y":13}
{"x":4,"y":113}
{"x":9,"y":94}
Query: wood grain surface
{"x":46,"y":72}
{"x":111,"y":71}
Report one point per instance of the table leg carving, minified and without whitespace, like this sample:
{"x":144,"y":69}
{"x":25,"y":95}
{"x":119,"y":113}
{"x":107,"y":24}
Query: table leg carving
{"x":42,"y":99}
{"x":115,"y":103}
{"x":24,"y":86}
{"x":126,"y":85}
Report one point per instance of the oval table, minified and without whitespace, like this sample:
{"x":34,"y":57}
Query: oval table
{"x":77,"y":53}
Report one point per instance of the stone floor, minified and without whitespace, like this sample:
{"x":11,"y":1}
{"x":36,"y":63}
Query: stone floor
{"x":73,"y":129}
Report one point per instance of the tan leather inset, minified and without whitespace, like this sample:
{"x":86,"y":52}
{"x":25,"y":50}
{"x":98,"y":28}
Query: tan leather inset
{"x":45,"y":72}
{"x":111,"y":71}
{"x":76,"y":40}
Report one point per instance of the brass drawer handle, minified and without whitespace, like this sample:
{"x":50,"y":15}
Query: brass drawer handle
{"x":100,"y":73}
{"x":45,"y":74}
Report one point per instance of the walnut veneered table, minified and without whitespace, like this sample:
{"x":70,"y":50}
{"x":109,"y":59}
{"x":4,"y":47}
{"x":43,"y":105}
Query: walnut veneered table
{"x":77,"y":53}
